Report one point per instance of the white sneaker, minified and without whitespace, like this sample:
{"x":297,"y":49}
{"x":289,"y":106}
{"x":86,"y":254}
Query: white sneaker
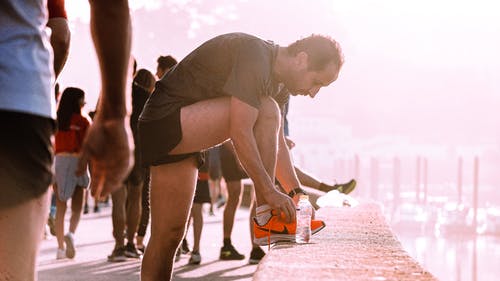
{"x":70,"y":245}
{"x":195,"y":258}
{"x":61,"y":254}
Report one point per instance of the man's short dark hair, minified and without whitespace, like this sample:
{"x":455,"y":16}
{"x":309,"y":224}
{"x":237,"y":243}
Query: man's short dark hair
{"x":321,"y":51}
{"x":165,"y":62}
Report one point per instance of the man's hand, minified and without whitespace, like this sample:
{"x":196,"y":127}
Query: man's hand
{"x":281,"y":203}
{"x":108,"y":148}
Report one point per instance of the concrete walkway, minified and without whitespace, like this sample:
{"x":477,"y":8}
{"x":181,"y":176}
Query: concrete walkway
{"x":94,"y":242}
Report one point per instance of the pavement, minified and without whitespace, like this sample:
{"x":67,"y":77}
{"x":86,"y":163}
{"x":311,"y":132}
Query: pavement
{"x":94,"y":242}
{"x":357,"y":244}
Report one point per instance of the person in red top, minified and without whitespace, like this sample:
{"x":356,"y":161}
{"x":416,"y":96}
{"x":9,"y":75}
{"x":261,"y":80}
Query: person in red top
{"x":72,"y":127}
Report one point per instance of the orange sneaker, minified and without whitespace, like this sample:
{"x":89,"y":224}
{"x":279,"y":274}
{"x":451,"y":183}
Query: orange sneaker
{"x":276,"y":230}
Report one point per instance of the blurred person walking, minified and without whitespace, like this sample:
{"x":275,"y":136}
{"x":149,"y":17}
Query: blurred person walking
{"x":126,"y":211}
{"x":72,"y":127}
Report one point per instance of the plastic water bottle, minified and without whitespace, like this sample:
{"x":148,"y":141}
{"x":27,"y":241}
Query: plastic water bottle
{"x":304,"y":214}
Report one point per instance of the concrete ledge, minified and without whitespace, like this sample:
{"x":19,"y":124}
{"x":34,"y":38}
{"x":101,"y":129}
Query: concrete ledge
{"x":357,"y":244}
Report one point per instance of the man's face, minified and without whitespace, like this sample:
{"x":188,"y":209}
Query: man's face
{"x":302,"y":81}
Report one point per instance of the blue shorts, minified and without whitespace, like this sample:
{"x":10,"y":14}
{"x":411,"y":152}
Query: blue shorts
{"x":66,"y":179}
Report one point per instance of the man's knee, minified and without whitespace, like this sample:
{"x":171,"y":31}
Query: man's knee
{"x":172,"y":236}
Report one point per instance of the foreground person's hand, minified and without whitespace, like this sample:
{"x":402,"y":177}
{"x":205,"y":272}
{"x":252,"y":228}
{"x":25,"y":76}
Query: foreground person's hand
{"x":282,"y":204}
{"x":108,"y":148}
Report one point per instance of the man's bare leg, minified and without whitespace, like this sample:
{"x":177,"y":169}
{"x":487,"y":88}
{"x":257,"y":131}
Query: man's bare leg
{"x":60,"y":214}
{"x":197,"y":215}
{"x":172,"y":185}
{"x":134,"y":194}
{"x":172,"y":191}
{"x":306,"y":179}
{"x":118,"y":198}
{"x":234,"y":189}
{"x":76,"y":208}
{"x":22,"y":228}
{"x":200,"y":132}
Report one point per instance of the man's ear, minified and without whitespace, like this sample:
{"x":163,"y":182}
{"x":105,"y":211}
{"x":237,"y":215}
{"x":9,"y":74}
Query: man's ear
{"x":301,"y":60}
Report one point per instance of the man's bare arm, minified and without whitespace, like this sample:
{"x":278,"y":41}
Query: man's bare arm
{"x":242,"y":122}
{"x":111,"y":32}
{"x":60,"y":41}
{"x":108,"y":146}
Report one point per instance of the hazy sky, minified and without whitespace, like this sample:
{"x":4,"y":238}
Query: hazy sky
{"x":427,"y":70}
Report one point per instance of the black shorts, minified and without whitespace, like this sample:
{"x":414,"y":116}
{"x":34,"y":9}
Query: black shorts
{"x":26,"y":157}
{"x":230,"y":165}
{"x":202,"y":192}
{"x":158,"y":137}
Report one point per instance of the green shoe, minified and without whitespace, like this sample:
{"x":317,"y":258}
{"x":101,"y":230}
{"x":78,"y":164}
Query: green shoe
{"x":345,"y":188}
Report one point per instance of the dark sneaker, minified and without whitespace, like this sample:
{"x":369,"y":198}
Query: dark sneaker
{"x":256,"y":255}
{"x":85,"y":209}
{"x":345,"y":188}
{"x":131,"y":251}
{"x":230,"y":253}
{"x":96,"y":208}
{"x":185,"y":247}
{"x":195,"y":258}
{"x":118,"y":255}
{"x":141,"y":249}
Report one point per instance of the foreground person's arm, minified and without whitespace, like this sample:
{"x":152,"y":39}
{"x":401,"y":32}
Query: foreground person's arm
{"x":108,"y":147}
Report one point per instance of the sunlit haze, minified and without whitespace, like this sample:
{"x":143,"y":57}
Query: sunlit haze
{"x":420,"y":77}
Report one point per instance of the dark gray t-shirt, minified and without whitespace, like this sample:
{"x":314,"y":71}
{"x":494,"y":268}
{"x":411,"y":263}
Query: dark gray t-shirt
{"x":234,"y":64}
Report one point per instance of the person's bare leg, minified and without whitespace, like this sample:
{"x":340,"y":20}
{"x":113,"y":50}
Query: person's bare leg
{"x":200,"y":132}
{"x":133,"y":210}
{"x":197,"y":215}
{"x":306,"y":179}
{"x":172,"y":185}
{"x":86,"y":202}
{"x":60,"y":214}
{"x":21,"y":232}
{"x":252,"y":209}
{"x":172,"y":191}
{"x":214,"y":187}
{"x":76,"y":208}
{"x":234,"y":189}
